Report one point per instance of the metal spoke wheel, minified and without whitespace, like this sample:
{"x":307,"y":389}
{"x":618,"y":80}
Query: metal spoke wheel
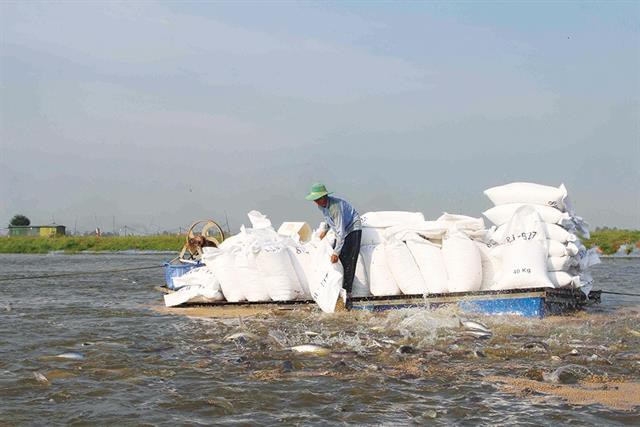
{"x":203,"y":233}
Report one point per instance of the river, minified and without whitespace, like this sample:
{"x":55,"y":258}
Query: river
{"x":136,"y":364}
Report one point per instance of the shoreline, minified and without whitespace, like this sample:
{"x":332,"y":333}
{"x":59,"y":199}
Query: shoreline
{"x":613,"y":244}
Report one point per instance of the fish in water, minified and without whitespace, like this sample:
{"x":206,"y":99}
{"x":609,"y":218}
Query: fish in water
{"x":537,"y":346}
{"x":568,"y":374}
{"x":475,"y":353}
{"x":40,"y":378}
{"x":241,"y":336}
{"x":633,"y":332}
{"x":311,"y":349}
{"x":472,"y":325}
{"x":286,"y":366}
{"x":73,"y":355}
{"x":478,"y":334}
{"x":406,"y":349}
{"x":311,"y":333}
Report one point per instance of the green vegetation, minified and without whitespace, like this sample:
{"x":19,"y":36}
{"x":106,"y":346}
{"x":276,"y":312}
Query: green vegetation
{"x":606,"y":239}
{"x":73,"y":244}
{"x":610,"y":240}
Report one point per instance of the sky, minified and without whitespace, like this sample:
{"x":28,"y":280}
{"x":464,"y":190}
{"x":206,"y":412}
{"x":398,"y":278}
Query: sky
{"x":157,"y":114}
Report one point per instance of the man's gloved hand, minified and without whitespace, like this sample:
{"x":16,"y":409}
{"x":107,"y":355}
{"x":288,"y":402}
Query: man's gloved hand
{"x":334,"y":258}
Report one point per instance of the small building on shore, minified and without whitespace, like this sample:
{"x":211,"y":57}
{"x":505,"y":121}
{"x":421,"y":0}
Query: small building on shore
{"x":37,"y":230}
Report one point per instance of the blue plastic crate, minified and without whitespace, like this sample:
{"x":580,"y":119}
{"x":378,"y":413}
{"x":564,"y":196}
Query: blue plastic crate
{"x":177,"y":270}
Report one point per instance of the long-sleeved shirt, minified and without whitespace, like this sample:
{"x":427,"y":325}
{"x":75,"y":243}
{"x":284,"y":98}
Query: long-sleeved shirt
{"x":342,"y":218}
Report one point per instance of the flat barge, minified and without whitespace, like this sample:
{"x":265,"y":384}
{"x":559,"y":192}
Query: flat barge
{"x":531,"y":302}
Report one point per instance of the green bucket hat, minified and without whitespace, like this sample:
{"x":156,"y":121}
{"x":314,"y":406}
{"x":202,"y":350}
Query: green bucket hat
{"x":317,"y":191}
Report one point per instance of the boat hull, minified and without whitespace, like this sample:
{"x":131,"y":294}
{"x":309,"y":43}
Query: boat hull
{"x":532,"y":302}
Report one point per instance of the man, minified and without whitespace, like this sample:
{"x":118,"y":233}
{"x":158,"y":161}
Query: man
{"x":344,"y":220}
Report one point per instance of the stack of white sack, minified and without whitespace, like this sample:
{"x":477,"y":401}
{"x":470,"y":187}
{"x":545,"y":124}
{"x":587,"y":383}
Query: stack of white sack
{"x":404,"y":254}
{"x":197,"y":285}
{"x":258,"y":264}
{"x":373,"y":276}
{"x":527,"y":212}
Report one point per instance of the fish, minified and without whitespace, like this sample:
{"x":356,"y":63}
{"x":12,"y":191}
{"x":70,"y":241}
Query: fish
{"x":633,"y":332}
{"x":406,"y":349}
{"x":40,"y":378}
{"x":311,"y":333}
{"x":475,"y":353}
{"x":286,"y":366}
{"x":375,"y":343}
{"x":568,"y":374}
{"x":310,"y":349}
{"x":474,"y":326}
{"x":241,"y":336}
{"x":536,"y":345}
{"x":478,"y":334}
{"x":73,"y":355}
{"x":628,"y":355}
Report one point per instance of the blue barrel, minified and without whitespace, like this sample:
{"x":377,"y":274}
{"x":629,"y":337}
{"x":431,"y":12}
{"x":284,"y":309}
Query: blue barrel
{"x":177,"y":270}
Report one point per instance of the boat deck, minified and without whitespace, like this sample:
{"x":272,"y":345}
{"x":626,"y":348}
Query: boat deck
{"x":531,"y":302}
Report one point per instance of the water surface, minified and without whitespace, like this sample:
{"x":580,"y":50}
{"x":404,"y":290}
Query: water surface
{"x":142,"y":366}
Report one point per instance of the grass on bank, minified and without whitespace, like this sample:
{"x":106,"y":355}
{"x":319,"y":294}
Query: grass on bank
{"x":611,"y":240}
{"x":72,"y":244}
{"x":608,"y":240}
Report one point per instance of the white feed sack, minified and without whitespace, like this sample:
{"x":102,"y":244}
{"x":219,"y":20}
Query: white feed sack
{"x":279,"y":274}
{"x":462,"y":262}
{"x":381,"y":281}
{"x":428,"y":257}
{"x":561,"y":263}
{"x":386,"y":219}
{"x":193,"y":294}
{"x":502,"y":214}
{"x":325,"y":279}
{"x":463,"y":223}
{"x":490,"y":266}
{"x":197,"y":285}
{"x":522,"y":251}
{"x":529,"y":193}
{"x":433,"y":230}
{"x":561,"y":279}
{"x":232,"y":281}
{"x":197,"y":276}
{"x":587,"y":258}
{"x":523,"y":265}
{"x":552,"y":231}
{"x":372,"y":236}
{"x":404,"y":269}
{"x":558,"y":249}
{"x":360,"y":286}
{"x":302,"y":264}
{"x":250,"y":278}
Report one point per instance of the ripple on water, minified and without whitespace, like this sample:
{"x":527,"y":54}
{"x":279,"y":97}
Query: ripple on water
{"x":150,"y":367}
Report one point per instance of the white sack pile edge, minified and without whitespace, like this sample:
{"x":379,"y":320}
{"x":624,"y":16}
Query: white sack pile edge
{"x":533,"y":244}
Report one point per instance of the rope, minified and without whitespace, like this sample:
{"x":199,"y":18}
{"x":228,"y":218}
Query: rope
{"x":78,"y":273}
{"x":620,"y":293}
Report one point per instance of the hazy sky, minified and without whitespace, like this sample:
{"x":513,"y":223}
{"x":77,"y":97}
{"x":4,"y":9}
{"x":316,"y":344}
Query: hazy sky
{"x":160,"y":113}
